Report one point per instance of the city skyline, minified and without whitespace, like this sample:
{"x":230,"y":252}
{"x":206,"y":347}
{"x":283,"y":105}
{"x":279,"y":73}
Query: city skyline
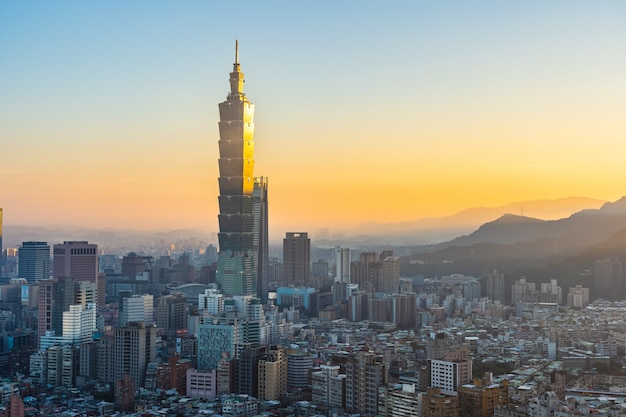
{"x":369,"y":112}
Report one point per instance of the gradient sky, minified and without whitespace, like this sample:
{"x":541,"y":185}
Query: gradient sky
{"x":365,"y":110}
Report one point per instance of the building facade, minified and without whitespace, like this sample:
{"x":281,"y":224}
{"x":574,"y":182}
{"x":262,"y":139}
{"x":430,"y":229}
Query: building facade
{"x":34,"y":261}
{"x":297,"y":258}
{"x":242,"y":236}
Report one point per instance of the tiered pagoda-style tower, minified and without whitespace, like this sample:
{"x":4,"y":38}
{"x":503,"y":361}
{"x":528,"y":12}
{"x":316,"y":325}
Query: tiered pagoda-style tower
{"x":242,"y":262}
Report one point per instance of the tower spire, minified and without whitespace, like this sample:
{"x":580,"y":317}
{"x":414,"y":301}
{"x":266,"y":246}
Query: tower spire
{"x":236,"y":51}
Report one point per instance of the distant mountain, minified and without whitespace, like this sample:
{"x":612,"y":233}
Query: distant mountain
{"x":515,"y":241}
{"x":437,"y":229}
{"x":581,"y":229}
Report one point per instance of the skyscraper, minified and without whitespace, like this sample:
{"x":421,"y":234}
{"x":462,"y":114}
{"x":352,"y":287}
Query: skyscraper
{"x":34,"y":261}
{"x":242,"y":261}
{"x":342,"y":263}
{"x":297,"y":258}
{"x":77,"y":259}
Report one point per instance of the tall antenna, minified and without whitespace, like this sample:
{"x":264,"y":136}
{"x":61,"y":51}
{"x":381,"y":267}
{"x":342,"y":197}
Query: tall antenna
{"x":236,"y":51}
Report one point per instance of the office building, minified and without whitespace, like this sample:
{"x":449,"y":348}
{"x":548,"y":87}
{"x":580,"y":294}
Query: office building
{"x":79,"y":260}
{"x":76,"y":259}
{"x":133,"y":266}
{"x":297,"y":258}
{"x":172,"y":313}
{"x":136,"y":309}
{"x":134,"y":347}
{"x":34,"y":261}
{"x":66,"y":312}
{"x":217,"y":341}
{"x":242,"y":236}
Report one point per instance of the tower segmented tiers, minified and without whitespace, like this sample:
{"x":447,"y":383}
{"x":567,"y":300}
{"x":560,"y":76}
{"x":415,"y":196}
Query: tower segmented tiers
{"x":242,"y":261}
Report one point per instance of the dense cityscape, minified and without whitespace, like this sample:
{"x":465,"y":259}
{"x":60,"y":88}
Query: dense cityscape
{"x":187,"y":328}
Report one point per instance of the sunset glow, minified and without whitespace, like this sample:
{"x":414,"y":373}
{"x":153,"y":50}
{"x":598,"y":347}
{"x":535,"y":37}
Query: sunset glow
{"x":365,"y":111}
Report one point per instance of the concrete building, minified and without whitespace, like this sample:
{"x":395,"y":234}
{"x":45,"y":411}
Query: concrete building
{"x":449,"y":375}
{"x":76,"y":259}
{"x":389,"y":281}
{"x":136,"y":309}
{"x":437,"y":404}
{"x":482,"y":397}
{"x":210,"y":303}
{"x":172,"y":313}
{"x":342,"y":265}
{"x":494,"y":286}
{"x":272,"y":381}
{"x":201,"y":384}
{"x":328,"y":387}
{"x":400,"y":400}
{"x":578,"y":297}
{"x":299,"y":365}
{"x":365,"y":372}
{"x":297,"y":258}
{"x":134,"y":347}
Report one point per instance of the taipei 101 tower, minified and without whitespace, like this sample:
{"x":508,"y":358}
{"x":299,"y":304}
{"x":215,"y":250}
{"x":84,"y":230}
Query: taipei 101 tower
{"x":243,"y":230}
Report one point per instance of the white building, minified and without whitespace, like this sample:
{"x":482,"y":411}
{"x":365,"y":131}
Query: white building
{"x":137,"y":309}
{"x":342,"y":263}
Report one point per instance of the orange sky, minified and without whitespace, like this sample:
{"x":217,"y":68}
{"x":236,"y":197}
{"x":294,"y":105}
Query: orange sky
{"x":364,"y":112}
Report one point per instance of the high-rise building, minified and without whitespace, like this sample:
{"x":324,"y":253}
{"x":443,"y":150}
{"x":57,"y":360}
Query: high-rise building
{"x":389,"y":281}
{"x":134,"y":348}
{"x":261,"y":237}
{"x":34,"y":261}
{"x":136,"y":309}
{"x":79,"y":260}
{"x":272,"y":383}
{"x":172,"y":313}
{"x":297,"y":258}
{"x":243,"y":258}
{"x":495,"y":286}
{"x":328,"y":387}
{"x":342,"y":264}
{"x":66,"y":312}
{"x":365,"y":372}
{"x":76,"y":259}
